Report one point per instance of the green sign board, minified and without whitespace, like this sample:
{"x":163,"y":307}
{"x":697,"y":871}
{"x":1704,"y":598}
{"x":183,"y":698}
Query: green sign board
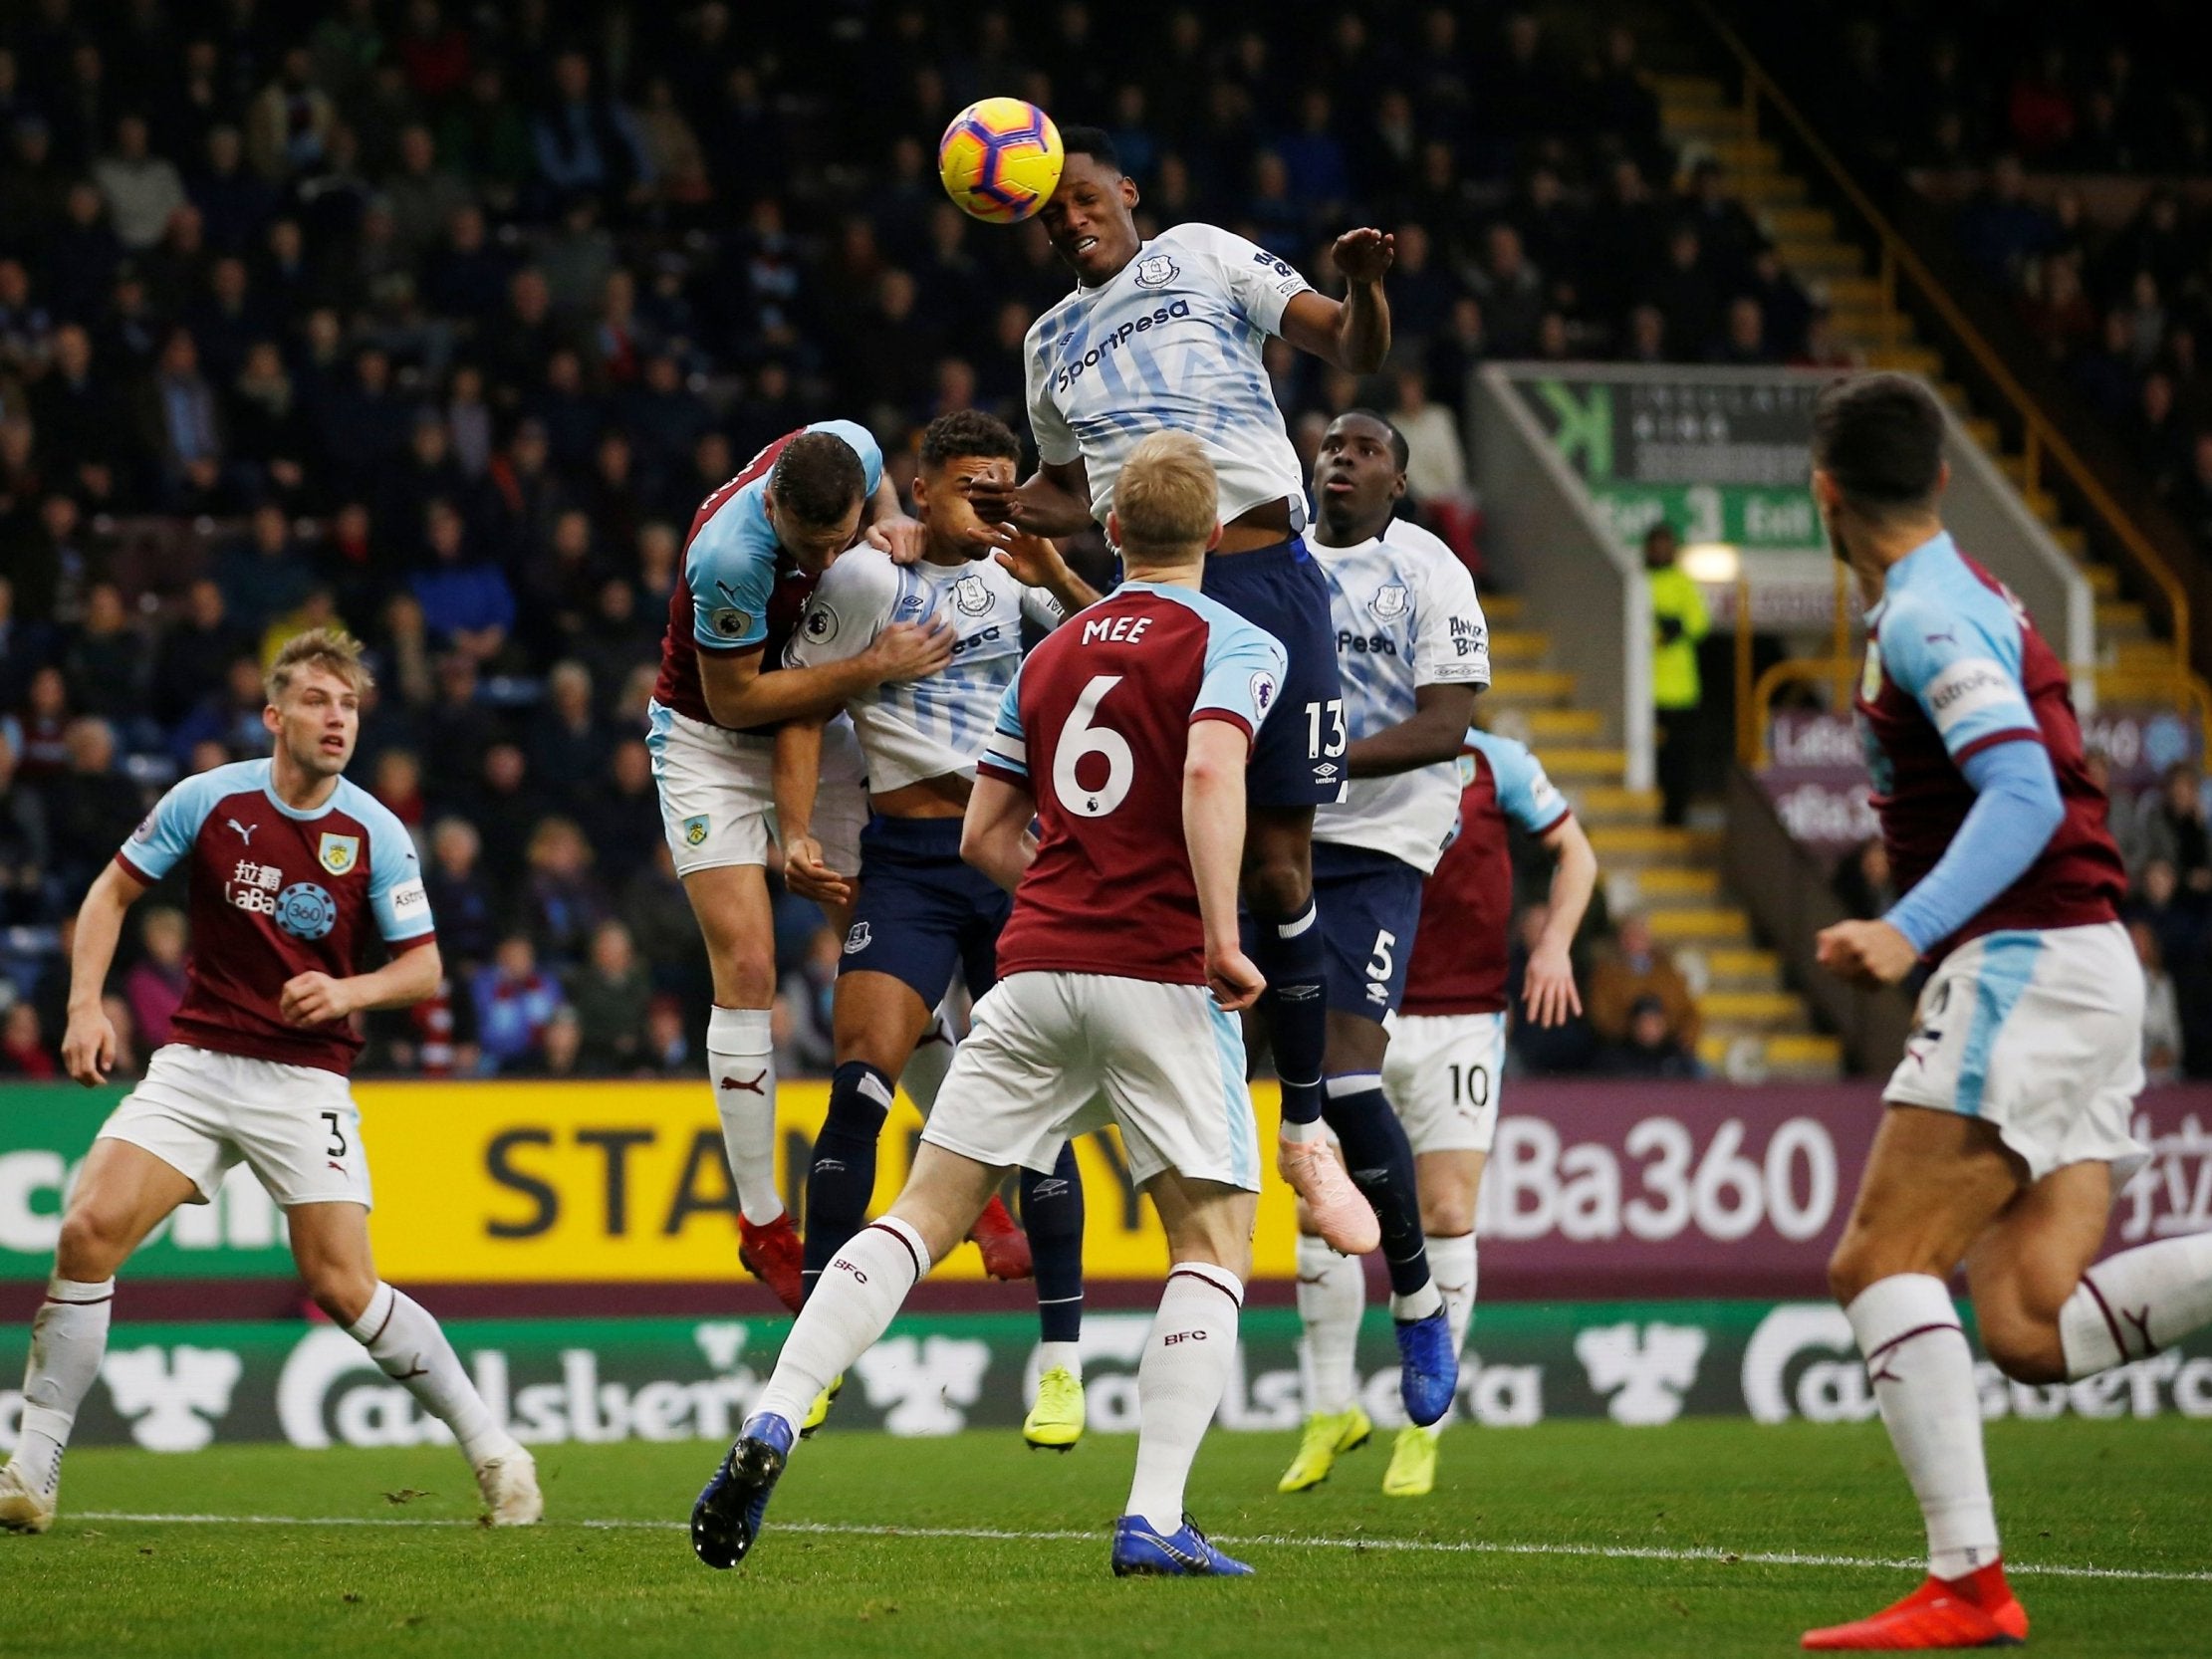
{"x":45,"y":1133}
{"x":179,"y":1388}
{"x":1724,"y":460}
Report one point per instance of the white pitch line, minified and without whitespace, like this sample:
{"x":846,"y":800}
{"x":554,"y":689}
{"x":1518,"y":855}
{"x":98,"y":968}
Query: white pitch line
{"x":1426,"y":1546}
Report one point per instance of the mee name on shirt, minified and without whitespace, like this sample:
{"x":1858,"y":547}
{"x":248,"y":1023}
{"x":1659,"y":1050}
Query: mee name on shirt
{"x":1096,"y":727}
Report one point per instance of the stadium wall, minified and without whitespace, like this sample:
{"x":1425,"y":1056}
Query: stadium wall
{"x":1648,"y":1251}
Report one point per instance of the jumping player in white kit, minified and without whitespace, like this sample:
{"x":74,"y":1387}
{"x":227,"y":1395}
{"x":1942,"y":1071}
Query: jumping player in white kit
{"x":1166,"y":335}
{"x":2007,"y":1125}
{"x":756,"y":549}
{"x":1125,"y":737}
{"x":292,"y":872}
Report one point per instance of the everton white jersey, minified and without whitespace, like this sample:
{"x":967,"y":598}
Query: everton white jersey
{"x":1171,"y":342}
{"x":1405,"y":615}
{"x":930,"y":727}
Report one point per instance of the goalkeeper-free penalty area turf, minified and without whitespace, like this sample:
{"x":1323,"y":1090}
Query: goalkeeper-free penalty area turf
{"x":1702,"y":1539}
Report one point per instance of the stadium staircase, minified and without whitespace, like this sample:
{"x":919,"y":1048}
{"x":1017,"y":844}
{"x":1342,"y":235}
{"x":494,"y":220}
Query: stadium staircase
{"x":1754,"y":1026}
{"x":1857,"y":281}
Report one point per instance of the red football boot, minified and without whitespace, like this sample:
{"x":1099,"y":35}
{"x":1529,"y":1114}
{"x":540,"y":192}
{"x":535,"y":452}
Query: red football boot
{"x":1978,"y":1610}
{"x":1004,"y":1245}
{"x":771,"y":1255}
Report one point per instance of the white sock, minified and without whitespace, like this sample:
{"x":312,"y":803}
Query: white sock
{"x":1923,"y":1376}
{"x":741,"y":1060}
{"x":1332,"y":1295}
{"x":2130,"y":1306}
{"x":1300,"y":1133}
{"x":409,"y":1347}
{"x":926,"y":1067}
{"x":1421,"y":1304}
{"x":69,"y":1338}
{"x":1060,"y":1356}
{"x":852,"y":1303}
{"x":1180,"y":1383}
{"x":1451,"y":1260}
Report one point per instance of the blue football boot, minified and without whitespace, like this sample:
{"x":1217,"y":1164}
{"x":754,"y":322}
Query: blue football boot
{"x":1428,"y":1369}
{"x":1141,"y":1552}
{"x":726,"y":1518}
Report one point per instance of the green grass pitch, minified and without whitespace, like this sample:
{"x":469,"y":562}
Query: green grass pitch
{"x":1568,"y":1538}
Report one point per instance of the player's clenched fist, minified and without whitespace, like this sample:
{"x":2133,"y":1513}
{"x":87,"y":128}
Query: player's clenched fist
{"x":1363,"y":255}
{"x":1236,"y":984}
{"x":88,"y":1045}
{"x":807,"y":876}
{"x":314,"y":1000}
{"x":1866,"y":953}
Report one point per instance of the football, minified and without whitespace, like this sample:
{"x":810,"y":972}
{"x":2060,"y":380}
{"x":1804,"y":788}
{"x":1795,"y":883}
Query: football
{"x":1000,"y":159}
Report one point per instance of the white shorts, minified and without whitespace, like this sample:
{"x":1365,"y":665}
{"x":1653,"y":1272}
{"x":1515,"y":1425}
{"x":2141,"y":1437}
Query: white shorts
{"x":295,"y":1127}
{"x":2040,"y":1034}
{"x":718,"y":792}
{"x":1441,"y":1073}
{"x":1057,"y":1054}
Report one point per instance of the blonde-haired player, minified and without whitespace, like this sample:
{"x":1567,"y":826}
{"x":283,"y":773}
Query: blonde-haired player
{"x":1124,"y":738}
{"x":291,"y":869}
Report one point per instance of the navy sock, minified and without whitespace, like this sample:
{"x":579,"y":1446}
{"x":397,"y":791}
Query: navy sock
{"x":843,"y":1175}
{"x":1052,"y":1212}
{"x":1380,"y":1162}
{"x":1289,"y":954}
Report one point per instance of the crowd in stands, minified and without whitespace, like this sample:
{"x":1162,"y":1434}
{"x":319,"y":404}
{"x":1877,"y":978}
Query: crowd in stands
{"x":2039,"y":102}
{"x":439,"y":320}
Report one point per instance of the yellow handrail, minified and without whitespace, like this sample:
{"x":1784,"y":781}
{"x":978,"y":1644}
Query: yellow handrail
{"x":2040,"y":437}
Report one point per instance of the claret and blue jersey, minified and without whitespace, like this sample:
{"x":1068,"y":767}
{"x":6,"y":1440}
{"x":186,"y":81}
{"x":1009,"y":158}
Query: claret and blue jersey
{"x":274,"y":892}
{"x":739,"y":592}
{"x":1095,"y":727}
{"x":1956,"y":675}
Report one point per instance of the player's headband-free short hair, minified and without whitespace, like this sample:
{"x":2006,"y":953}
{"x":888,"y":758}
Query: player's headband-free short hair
{"x":1165,"y":501}
{"x":1880,"y":437}
{"x":1092,"y":142}
{"x":333,"y":650}
{"x":968,"y":432}
{"x":817,"y":479}
{"x":1400,"y":452}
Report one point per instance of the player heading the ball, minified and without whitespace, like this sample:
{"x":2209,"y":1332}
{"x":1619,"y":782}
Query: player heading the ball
{"x":1166,"y":335}
{"x":1124,"y":735}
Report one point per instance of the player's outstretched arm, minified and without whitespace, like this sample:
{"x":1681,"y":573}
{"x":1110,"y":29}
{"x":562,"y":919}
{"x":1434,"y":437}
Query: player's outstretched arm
{"x":1434,"y":731}
{"x":1213,"y":830}
{"x":739,"y":695}
{"x":1352,"y":332}
{"x":1033,"y":561}
{"x":994,"y":835}
{"x":316,"y":999}
{"x":1550,"y":995}
{"x":89,"y":1045}
{"x":798,"y":773}
{"x":1053,"y":501}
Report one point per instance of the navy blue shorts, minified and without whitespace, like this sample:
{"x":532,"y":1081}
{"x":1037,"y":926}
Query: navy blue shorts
{"x":1369,"y":903}
{"x":1299,"y":760}
{"x":922,"y":911}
